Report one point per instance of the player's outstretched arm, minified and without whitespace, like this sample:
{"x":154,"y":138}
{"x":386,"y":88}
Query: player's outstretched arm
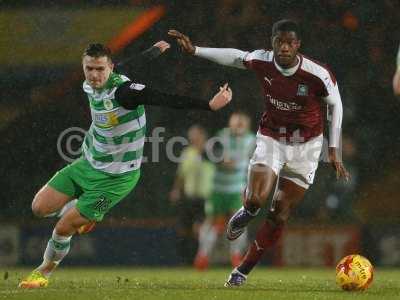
{"x":130,"y":95}
{"x":224,"y":56}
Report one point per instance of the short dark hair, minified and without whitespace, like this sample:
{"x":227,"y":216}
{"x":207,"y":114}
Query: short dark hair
{"x":97,"y":50}
{"x":286,"y":25}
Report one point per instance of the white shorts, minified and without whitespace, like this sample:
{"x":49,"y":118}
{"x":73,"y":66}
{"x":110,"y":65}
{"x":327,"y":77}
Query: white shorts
{"x":296,"y":162}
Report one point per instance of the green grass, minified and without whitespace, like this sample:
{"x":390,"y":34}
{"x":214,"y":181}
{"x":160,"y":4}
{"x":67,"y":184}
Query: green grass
{"x":180,"y":283}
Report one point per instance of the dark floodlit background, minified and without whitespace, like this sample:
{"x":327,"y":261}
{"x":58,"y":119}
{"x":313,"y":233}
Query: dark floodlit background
{"x":40,"y":96}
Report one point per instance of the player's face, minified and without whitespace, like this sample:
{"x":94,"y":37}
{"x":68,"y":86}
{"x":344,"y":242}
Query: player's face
{"x":97,"y":70}
{"x":285,"y":45}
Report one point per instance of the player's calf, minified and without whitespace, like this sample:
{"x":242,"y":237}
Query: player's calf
{"x":267,"y":236}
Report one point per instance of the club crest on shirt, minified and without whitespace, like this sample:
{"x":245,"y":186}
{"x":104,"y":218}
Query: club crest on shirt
{"x":108,"y":104}
{"x":302,"y":90}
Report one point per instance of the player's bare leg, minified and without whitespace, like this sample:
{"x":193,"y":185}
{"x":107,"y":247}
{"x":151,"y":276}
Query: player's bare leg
{"x":287,"y":196}
{"x":260,"y":183}
{"x":49,"y":202}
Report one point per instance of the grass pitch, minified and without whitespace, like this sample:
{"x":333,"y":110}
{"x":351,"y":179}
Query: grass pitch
{"x":181,"y":283}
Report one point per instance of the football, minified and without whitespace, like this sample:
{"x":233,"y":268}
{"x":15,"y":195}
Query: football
{"x":354,"y":273}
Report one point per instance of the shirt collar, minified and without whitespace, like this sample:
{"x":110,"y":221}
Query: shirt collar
{"x":290,"y":71}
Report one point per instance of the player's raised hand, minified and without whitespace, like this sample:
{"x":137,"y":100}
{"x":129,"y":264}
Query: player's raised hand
{"x":337,"y":165}
{"x":222,"y":98}
{"x":162,"y":45}
{"x":182,"y":40}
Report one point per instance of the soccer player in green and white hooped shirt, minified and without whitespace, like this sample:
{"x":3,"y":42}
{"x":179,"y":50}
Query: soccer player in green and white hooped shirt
{"x":234,"y":147}
{"x":112,"y":152}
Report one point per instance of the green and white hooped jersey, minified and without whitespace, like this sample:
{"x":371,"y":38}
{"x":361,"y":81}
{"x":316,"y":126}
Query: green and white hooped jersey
{"x":237,"y":149}
{"x":114,"y":142}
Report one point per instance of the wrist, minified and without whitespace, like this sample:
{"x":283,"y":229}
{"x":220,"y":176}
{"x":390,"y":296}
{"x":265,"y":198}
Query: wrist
{"x":332,"y":150}
{"x":211,"y":105}
{"x":156,"y":49}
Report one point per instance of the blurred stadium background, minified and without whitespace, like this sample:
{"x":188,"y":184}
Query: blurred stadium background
{"x":40,"y":96}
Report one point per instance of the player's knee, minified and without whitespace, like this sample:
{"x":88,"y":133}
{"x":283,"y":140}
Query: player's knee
{"x":38,"y":209}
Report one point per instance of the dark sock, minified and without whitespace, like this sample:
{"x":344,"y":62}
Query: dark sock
{"x":267,"y":235}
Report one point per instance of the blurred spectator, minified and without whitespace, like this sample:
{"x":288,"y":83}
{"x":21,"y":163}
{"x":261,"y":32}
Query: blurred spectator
{"x":193,"y":183}
{"x":232,"y":150}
